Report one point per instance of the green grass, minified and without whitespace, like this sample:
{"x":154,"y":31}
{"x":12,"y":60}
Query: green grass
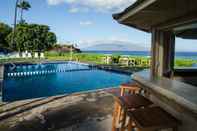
{"x":98,"y":58}
{"x":20,"y":60}
{"x":184,"y":62}
{"x":83,"y":57}
{"x":92,"y":58}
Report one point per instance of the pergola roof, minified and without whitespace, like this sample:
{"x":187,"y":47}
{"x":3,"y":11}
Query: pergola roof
{"x":160,"y":14}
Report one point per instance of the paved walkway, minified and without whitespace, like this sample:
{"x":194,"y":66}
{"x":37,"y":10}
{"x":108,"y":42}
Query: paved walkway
{"x":80,"y":112}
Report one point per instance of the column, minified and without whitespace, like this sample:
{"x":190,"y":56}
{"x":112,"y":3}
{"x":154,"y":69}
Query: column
{"x":162,"y":52}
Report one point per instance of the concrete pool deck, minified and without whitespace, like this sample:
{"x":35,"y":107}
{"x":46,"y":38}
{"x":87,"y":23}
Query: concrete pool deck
{"x":90,"y":111}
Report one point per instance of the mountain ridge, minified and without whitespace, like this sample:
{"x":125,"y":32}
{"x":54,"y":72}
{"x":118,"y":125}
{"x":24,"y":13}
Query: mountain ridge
{"x":115,"y":46}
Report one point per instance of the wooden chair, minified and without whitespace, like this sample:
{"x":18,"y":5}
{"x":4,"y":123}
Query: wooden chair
{"x":132,"y":88}
{"x":151,"y":119}
{"x":128,"y":102}
{"x":125,"y":89}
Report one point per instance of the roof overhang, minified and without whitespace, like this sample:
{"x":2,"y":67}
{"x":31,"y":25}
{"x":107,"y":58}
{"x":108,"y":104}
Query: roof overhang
{"x":159,"y":14}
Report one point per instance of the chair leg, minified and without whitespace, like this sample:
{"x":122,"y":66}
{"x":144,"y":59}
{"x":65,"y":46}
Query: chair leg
{"x":119,"y":111}
{"x":130,"y":125}
{"x":122,"y":128}
{"x":114,"y":117}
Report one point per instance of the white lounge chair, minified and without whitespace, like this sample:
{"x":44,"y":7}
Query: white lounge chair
{"x":29,"y":55}
{"x":17,"y":55}
{"x":23,"y":55}
{"x":108,"y":59}
{"x":36,"y":55}
{"x":41,"y":55}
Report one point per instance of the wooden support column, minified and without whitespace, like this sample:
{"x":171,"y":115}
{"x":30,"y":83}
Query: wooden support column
{"x":162,"y":51}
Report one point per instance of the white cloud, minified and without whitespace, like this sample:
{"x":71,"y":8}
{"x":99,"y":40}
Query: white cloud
{"x":85,"y":23}
{"x":95,"y":5}
{"x":76,"y":10}
{"x":55,"y":2}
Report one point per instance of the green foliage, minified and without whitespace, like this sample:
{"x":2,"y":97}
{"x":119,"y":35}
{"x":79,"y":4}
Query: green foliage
{"x":4,"y":31}
{"x":32,"y":37}
{"x":24,"y":5}
{"x":184,"y":62}
{"x":115,"y":59}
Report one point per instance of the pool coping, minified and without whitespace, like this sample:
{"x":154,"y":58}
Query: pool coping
{"x":64,"y":95}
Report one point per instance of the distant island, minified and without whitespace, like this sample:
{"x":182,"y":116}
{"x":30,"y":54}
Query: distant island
{"x":115,"y":46}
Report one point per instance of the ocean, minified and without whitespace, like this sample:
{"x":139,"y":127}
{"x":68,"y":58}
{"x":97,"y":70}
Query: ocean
{"x":178,"y":55}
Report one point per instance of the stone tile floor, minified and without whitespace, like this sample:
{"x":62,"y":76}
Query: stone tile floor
{"x":78,"y":112}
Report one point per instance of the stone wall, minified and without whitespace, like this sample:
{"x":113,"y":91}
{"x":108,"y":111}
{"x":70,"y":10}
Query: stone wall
{"x":187,"y":119}
{"x":190,"y":80}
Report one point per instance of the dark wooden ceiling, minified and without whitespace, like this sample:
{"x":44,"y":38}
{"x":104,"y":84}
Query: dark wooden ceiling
{"x":162,"y":14}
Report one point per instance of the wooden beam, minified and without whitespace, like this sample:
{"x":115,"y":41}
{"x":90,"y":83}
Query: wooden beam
{"x":186,"y":27}
{"x":178,"y":21}
{"x":143,"y":5}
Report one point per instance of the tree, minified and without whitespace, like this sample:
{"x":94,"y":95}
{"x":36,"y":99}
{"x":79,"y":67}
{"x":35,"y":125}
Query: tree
{"x":24,"y":5}
{"x":5,"y":30}
{"x":15,"y":22}
{"x":51,"y":38}
{"x":32,"y":37}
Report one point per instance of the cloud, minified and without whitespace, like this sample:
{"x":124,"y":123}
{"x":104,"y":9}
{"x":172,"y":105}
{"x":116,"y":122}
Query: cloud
{"x":85,"y":23}
{"x":55,"y":2}
{"x":76,"y":10}
{"x":73,"y":10}
{"x":110,"y":6}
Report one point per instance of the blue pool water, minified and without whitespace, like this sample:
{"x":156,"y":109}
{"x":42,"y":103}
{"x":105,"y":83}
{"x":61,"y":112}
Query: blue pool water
{"x":42,"y":80}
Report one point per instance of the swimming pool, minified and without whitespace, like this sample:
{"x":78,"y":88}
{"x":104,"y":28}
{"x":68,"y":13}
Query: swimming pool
{"x":26,"y":81}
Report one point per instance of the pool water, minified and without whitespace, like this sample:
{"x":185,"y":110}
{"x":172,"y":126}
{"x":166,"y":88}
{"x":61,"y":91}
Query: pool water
{"x":42,"y":80}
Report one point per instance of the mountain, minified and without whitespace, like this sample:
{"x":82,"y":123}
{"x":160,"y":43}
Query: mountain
{"x":115,"y":46}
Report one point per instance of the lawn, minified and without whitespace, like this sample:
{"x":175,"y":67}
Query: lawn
{"x":90,"y":58}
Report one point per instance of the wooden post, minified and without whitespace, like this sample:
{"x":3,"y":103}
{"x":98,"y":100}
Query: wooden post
{"x":162,"y":51}
{"x":169,"y":54}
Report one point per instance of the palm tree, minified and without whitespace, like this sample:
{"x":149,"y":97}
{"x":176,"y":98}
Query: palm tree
{"x":24,"y":5}
{"x":15,"y":18}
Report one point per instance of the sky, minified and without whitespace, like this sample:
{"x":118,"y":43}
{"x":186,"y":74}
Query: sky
{"x":84,"y":22}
